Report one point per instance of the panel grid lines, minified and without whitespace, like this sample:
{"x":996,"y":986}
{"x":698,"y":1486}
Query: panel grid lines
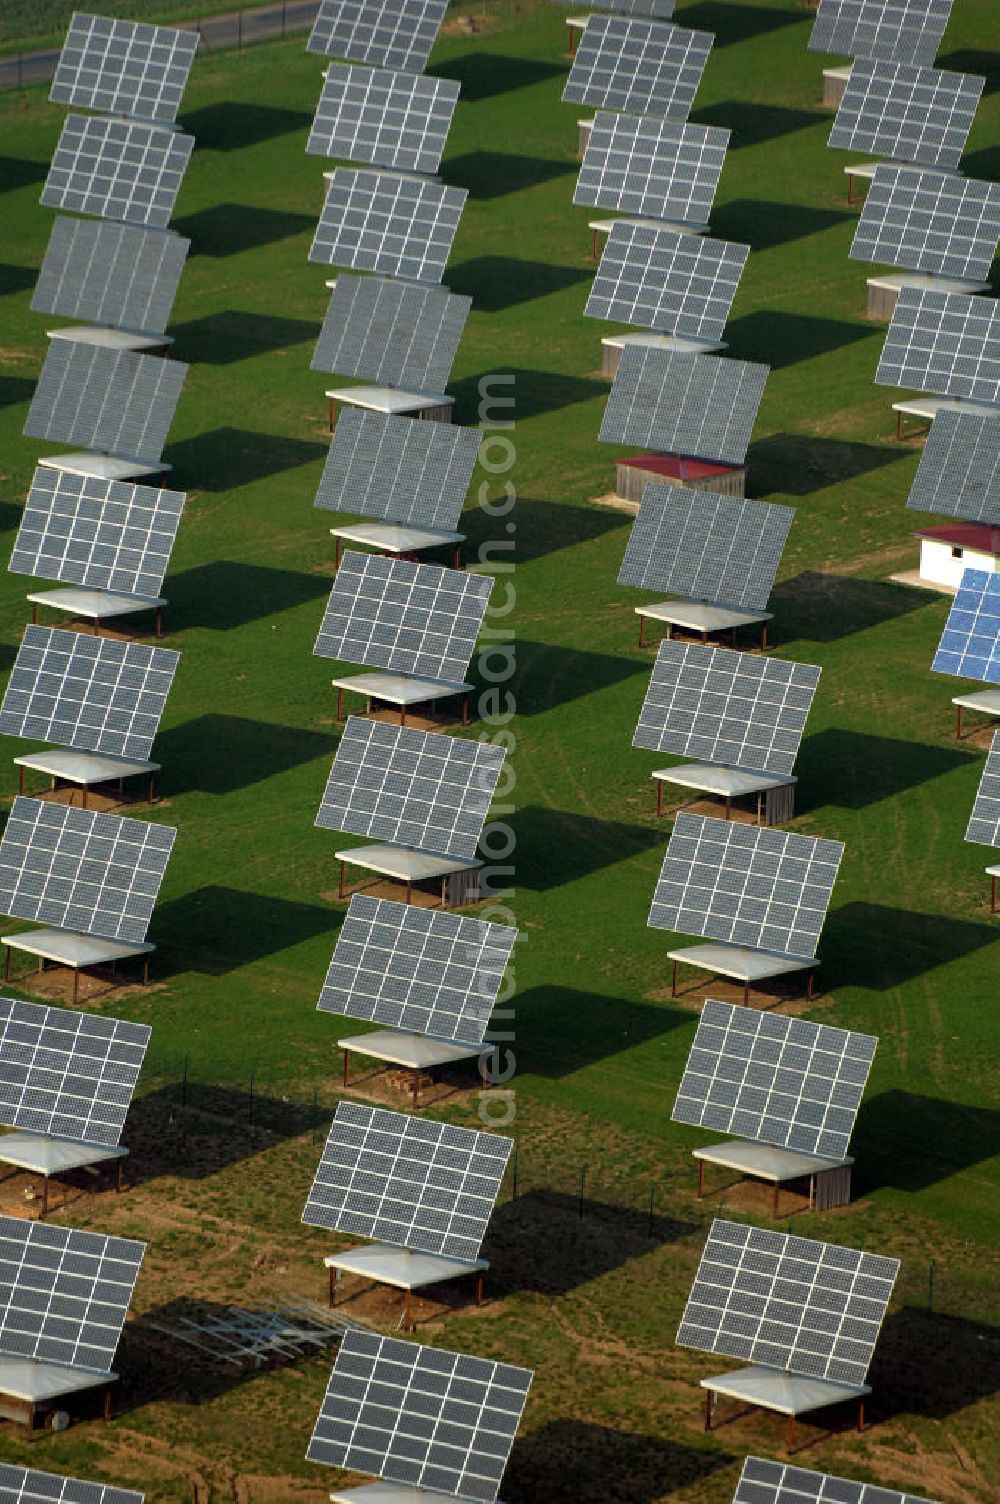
{"x":110,"y":400}
{"x":385,"y":33}
{"x":901,"y":31}
{"x":387,"y":332}
{"x":117,"y":169}
{"x":389,"y":119}
{"x":393,"y":226}
{"x":648,"y":166}
{"x":28,"y":1485}
{"x":929,"y":222}
{"x":641,"y":66}
{"x":765,"y":1482}
{"x":398,"y":469}
{"x":984,"y":822}
{"x":970,"y":643}
{"x":959,"y":470}
{"x":109,"y":273}
{"x":124,"y":67}
{"x":662,"y":280}
{"x":693,"y":405}
{"x":911,"y":114}
{"x":943,"y":342}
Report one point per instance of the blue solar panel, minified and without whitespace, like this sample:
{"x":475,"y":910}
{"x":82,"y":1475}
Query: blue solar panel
{"x":970,"y":642}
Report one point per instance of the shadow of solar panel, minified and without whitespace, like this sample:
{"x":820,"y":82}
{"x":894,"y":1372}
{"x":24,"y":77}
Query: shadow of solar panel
{"x":107,"y":535}
{"x":791,"y":1303}
{"x":414,"y":788}
{"x":782,"y":1081}
{"x":124,"y":67}
{"x":943,"y":342}
{"x":920,"y":115}
{"x":80,"y":870}
{"x":693,"y":405}
{"x":959,"y":470}
{"x":394,"y":226}
{"x":929,"y":222}
{"x":725,"y":707}
{"x":387,"y":332}
{"x":746,"y":885}
{"x":94,"y":694}
{"x":426,"y":970}
{"x":389,"y":119}
{"x":970,"y":643}
{"x":659,"y":279}
{"x":66,"y":1073}
{"x":386,"y":33}
{"x":895,"y":31}
{"x":406,"y":1181}
{"x":654,"y":167}
{"x":984,"y":823}
{"x":86,"y":1280}
{"x":27,"y":1485}
{"x":110,"y":400}
{"x":643,"y":67}
{"x":420,"y":1416}
{"x":117,"y":169}
{"x":398,"y":469}
{"x":764,"y":1482}
{"x":111,"y":274}
{"x":406,"y":617}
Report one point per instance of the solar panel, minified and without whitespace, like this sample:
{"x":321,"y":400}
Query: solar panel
{"x":898,"y":31}
{"x":66,"y":1073}
{"x":80,"y":870}
{"x":645,"y":165}
{"x":929,"y":222}
{"x":390,"y":333}
{"x":959,"y":470}
{"x":763,"y":1482}
{"x":26,"y":1485}
{"x":641,"y":66}
{"x":406,"y":617}
{"x":943,"y":342}
{"x":96,"y":694}
{"x":390,"y":119}
{"x":414,"y":788}
{"x":776,"y":1080}
{"x":912,"y":114}
{"x":110,"y":400}
{"x":659,"y":279}
{"x":408,"y":1181}
{"x":725,"y":707}
{"x":746,"y":885}
{"x":64,"y":1293}
{"x":386,"y":33}
{"x":420,"y":1416}
{"x":117,"y":169}
{"x":425,"y":970}
{"x":395,"y":226}
{"x":105,"y":534}
{"x":399,"y":469}
{"x":788,"y":1303}
{"x":124,"y":67}
{"x":694,"y":405}
{"x":715,"y":548}
{"x":970,"y":642}
{"x":112,"y":274}
{"x":984,"y":822}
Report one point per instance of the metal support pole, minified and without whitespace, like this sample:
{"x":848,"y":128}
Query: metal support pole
{"x":958,"y":728}
{"x":340,"y":887}
{"x":642,"y":631}
{"x":20,"y":781}
{"x":708,"y":1409}
{"x":810,"y":980}
{"x":479,"y":1289}
{"x":790,"y":1435}
{"x":701,"y":1178}
{"x":993,"y":896}
{"x":346,"y":1076}
{"x":746,"y":993}
{"x":76,"y":984}
{"x":45,"y":1197}
{"x":777,"y":1193}
{"x":332,"y":1294}
{"x":673,"y":980}
{"x":659,"y":796}
{"x":340,"y":702}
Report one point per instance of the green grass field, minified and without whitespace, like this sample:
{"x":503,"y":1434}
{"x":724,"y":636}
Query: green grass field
{"x":246,"y":922}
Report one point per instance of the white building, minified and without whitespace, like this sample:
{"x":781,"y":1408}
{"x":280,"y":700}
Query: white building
{"x":947,"y":552}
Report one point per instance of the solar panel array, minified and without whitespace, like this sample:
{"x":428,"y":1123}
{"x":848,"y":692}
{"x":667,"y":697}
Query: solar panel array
{"x":970,"y":642}
{"x":384,"y":33}
{"x":117,"y":169}
{"x":413,"y":788}
{"x":693,"y":405}
{"x":387,"y":332}
{"x":106,"y":535}
{"x":788,"y":1303}
{"x":124,"y":67}
{"x":959,"y":470}
{"x":390,"y":119}
{"x":110,"y":400}
{"x":27,"y":1485}
{"x":95,"y":694}
{"x":724,"y":549}
{"x":81,"y":870}
{"x":984,"y":822}
{"x":929,"y":222}
{"x":64,"y":1293}
{"x":407,"y":1181}
{"x":746,"y":885}
{"x":424,"y":970}
{"x":659,"y":279}
{"x":911,"y":114}
{"x":110,"y":274}
{"x":406,"y":617}
{"x":943,"y":342}
{"x":399,"y":469}
{"x":638,"y":65}
{"x":420,"y":1416}
{"x":66,"y":1073}
{"x":725,"y":707}
{"x":776,"y":1080}
{"x":658,"y":168}
{"x":900,"y":31}
{"x":765,"y":1482}
{"x":394,"y":226}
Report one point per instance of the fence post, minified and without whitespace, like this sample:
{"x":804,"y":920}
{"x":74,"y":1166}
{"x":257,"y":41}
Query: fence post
{"x":583,"y":1178}
{"x":251,"y":1096}
{"x":184,"y":1084}
{"x":930,"y":1289}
